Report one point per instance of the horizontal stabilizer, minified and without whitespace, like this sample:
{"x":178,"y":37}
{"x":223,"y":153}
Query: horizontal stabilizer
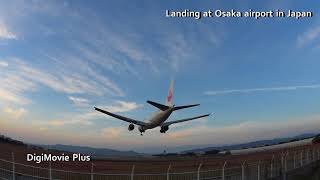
{"x":182,"y":107}
{"x":159,"y":106}
{"x":183,"y":120}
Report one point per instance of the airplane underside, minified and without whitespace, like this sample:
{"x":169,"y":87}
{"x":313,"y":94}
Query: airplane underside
{"x":163,"y":129}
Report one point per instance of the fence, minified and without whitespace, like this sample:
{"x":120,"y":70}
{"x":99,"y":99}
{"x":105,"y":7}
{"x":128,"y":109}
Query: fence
{"x":277,"y":166}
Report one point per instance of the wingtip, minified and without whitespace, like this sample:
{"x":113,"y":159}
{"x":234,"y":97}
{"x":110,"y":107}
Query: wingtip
{"x":209,"y":114}
{"x":206,"y":115}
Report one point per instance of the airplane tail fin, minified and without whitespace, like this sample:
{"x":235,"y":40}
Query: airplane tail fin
{"x":169,"y":101}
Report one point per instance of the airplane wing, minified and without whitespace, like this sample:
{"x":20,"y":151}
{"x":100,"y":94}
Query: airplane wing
{"x":183,"y":120}
{"x":129,"y":120}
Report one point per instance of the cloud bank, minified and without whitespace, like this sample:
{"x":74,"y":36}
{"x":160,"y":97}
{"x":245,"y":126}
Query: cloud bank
{"x":271,"y":89}
{"x":308,"y":36}
{"x":5,"y":33}
{"x":19,"y":78}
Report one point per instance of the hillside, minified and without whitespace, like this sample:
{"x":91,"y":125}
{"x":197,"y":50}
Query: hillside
{"x":93,"y":152}
{"x":254,"y":144}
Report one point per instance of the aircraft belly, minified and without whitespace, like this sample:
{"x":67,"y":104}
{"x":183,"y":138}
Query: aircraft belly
{"x":158,"y":120}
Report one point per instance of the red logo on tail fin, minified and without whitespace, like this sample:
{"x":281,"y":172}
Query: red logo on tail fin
{"x":169,"y":98}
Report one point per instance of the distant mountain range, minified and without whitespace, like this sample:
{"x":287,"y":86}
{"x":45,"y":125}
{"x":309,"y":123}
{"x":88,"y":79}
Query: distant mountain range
{"x":93,"y":152}
{"x":253,"y":144}
{"x":108,"y":153}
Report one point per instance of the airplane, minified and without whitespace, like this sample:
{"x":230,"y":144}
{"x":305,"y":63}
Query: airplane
{"x":159,"y":118}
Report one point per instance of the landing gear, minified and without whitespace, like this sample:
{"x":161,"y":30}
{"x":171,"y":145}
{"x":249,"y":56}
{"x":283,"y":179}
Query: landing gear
{"x":164,"y":129}
{"x":142,"y":130}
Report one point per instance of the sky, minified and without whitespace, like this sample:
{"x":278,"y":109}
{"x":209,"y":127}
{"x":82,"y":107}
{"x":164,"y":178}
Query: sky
{"x":58,"y":59}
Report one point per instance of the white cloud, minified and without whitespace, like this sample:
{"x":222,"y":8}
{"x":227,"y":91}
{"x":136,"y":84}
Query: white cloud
{"x":78,"y":101}
{"x":122,"y":106}
{"x":21,"y":77}
{"x":73,"y":119}
{"x":69,"y":122}
{"x":4,"y":64}
{"x":59,"y":82}
{"x":308,"y":36}
{"x":14,"y":113}
{"x":114,"y":52}
{"x":57,"y":123}
{"x":112,"y":133}
{"x":9,"y":96}
{"x":179,"y":51}
{"x":5,"y":33}
{"x":77,"y":70}
{"x":12,"y":86}
{"x":86,"y":118}
{"x":283,"y":88}
{"x":79,"y":119}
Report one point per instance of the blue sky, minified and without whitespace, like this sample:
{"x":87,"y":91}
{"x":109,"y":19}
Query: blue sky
{"x":58,"y":59}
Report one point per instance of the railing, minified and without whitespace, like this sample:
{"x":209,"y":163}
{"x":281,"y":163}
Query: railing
{"x":277,"y":166}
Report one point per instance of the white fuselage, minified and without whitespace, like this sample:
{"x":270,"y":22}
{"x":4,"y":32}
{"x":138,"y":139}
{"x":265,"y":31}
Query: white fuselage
{"x":157,"y":119}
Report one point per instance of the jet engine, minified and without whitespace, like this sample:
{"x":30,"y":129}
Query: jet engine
{"x":164,"y":129}
{"x":131,"y":127}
